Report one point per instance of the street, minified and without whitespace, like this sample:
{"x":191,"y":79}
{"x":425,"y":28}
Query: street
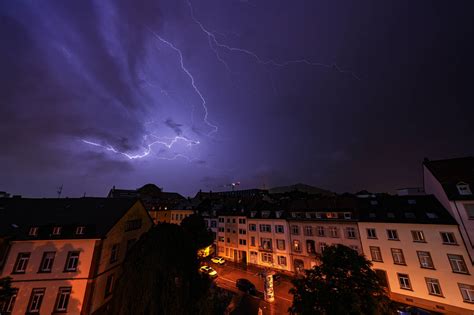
{"x":230,"y":272}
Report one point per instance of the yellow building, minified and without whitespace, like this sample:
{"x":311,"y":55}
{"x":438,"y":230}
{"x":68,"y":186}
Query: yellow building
{"x":173,"y":216}
{"x":418,"y":252}
{"x":64,"y":255}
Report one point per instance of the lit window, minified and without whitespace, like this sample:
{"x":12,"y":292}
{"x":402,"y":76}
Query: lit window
{"x":72,"y":261}
{"x":425,"y":259}
{"x":376,"y":254}
{"x":371,"y":233}
{"x":80,"y":230}
{"x":62,"y":300}
{"x":266,"y":243}
{"x":21,"y":262}
{"x":221,"y":238}
{"x":467,"y":292}
{"x":35,"y":300}
{"x":433,"y":286}
{"x":33,"y":231}
{"x":404,"y":281}
{"x":398,"y":257}
{"x":57,"y":230}
{"x":418,"y":236}
{"x":296,"y":246}
{"x":448,"y":238}
{"x":47,"y":261}
{"x":457,"y":263}
{"x":392,"y":235}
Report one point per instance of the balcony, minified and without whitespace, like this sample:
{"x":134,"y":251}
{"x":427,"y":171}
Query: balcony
{"x":265,"y":249}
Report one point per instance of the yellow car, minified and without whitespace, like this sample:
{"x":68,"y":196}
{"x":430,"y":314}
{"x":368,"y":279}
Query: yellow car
{"x":208,"y":271}
{"x":218,"y":260}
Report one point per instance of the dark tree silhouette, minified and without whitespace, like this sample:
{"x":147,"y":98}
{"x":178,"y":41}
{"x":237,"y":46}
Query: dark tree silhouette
{"x":160,"y":276}
{"x":6,"y":290}
{"x":343,"y":283}
{"x":196,"y":227}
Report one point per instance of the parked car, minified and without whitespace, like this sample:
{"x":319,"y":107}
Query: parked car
{"x":218,"y":260}
{"x":208,"y":271}
{"x":246,"y":286}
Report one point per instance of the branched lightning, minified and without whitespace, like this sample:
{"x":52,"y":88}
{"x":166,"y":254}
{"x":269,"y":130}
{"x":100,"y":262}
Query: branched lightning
{"x":214,"y":43}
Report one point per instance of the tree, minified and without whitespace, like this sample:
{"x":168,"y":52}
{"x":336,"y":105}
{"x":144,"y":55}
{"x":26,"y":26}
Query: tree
{"x":160,"y":276}
{"x":6,"y":290}
{"x":343,"y":283}
{"x":196,"y":227}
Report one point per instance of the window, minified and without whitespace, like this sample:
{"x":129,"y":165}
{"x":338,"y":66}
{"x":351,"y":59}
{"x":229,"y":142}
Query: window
{"x":448,"y":238}
{"x":375,"y":253}
{"x":114,"y":253}
{"x":62,"y":300}
{"x":410,"y":215}
{"x":7,"y":306}
{"x":404,"y":281}
{"x":252,"y":227}
{"x":392,"y":235}
{"x":296,"y":246}
{"x":133,"y":225}
{"x":308,"y":230}
{"x":295,"y":230}
{"x":347,"y":215}
{"x":320,"y":231}
{"x":242,"y":231}
{"x":282,"y":260}
{"x":47,"y":262}
{"x":228,"y":230}
{"x":33,"y":231}
{"x":221,"y":220}
{"x":221,"y":239}
{"x":241,"y":221}
{"x":398,"y":257}
{"x":233,"y":220}
{"x":265,"y":228}
{"x":72,"y":261}
{"x":322,"y":247}
{"x":109,"y":285}
{"x":242,"y":242}
{"x":467,"y":292}
{"x":267,"y":257}
{"x":470,"y":210}
{"x":80,"y":230}
{"x":333,"y":231}
{"x":310,"y":247}
{"x":418,"y":236}
{"x":464,"y":189}
{"x":431,"y":215}
{"x":21,"y":262}
{"x":228,"y":240}
{"x":433,"y":286}
{"x":57,"y":230}
{"x":36,"y":299}
{"x":252,"y":241}
{"x":457,"y":263}
{"x":280,"y":244}
{"x":266,"y":243}
{"x":221,"y":229}
{"x":425,"y":260}
{"x":279,"y":229}
{"x":213,"y":223}
{"x":351,"y":232}
{"x":371,"y":233}
{"x":228,"y":220}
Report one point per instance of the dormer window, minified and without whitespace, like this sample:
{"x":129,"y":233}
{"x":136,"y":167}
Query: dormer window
{"x":80,"y":230}
{"x":411,"y":201}
{"x":33,"y":231}
{"x":278,"y":214}
{"x":464,"y":189}
{"x":347,"y":215}
{"x":57,"y":230}
{"x":253,"y":214}
{"x":265,"y":214}
{"x":374,"y":202}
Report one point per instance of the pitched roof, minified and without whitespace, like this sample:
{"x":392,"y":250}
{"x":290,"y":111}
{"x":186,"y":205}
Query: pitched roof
{"x":98,"y":215}
{"x":403,"y":209}
{"x":452,"y":172}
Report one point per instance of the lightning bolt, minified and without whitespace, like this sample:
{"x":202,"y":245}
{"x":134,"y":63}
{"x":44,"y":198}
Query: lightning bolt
{"x":191,"y":78}
{"x":214,"y":44}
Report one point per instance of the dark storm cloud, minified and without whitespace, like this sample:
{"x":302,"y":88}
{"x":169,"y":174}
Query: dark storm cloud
{"x":96,"y":70}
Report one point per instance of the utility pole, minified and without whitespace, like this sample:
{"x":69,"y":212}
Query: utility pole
{"x":59,"y":191}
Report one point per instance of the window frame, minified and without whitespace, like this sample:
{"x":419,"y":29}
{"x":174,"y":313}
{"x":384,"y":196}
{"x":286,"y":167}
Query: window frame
{"x":68,"y":258}
{"x":41,"y":292}
{"x":418,"y":233}
{"x":433,"y":281}
{"x":67,"y":290}
{"x":393,"y":250}
{"x":26,"y":257}
{"x":406,"y":276}
{"x":43,"y":260}
{"x":418,"y":252}
{"x":458,"y":260}
{"x":376,"y":248}
{"x":391,"y":231}
{"x":369,"y":233}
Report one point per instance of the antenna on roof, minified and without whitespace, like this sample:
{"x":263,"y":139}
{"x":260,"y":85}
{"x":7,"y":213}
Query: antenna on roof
{"x":60,"y":190}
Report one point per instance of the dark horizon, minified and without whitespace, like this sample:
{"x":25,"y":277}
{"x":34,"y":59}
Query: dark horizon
{"x":193,"y":95}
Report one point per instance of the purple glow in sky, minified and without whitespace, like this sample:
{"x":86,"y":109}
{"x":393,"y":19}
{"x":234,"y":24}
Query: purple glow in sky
{"x":199,"y":94}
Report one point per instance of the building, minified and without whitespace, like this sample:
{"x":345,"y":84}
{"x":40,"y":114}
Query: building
{"x":173,"y":216}
{"x":232,"y":236}
{"x":452,"y":182}
{"x":64,"y":255}
{"x":417,"y":251}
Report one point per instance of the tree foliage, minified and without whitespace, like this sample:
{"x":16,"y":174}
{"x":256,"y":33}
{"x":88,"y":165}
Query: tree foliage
{"x":160,"y":276}
{"x":196,"y":227}
{"x":343,"y":283}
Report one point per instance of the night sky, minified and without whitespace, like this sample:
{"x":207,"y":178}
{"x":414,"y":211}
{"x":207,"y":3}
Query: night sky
{"x":195,"y":95}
